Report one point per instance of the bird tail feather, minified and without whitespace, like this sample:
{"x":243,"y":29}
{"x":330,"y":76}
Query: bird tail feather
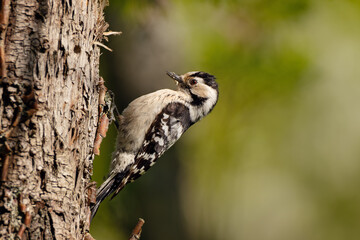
{"x":108,"y":187}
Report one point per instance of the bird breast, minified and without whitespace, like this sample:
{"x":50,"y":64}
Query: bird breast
{"x":140,"y":114}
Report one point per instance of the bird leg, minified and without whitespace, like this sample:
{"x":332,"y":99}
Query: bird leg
{"x":111,"y":109}
{"x":107,"y":114}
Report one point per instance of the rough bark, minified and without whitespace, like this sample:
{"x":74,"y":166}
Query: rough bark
{"x":48,"y":115}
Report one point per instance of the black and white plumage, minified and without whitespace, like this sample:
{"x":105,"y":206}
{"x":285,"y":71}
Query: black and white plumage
{"x":152,"y":123}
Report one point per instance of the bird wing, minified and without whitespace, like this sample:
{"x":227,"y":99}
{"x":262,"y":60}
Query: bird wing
{"x":167,"y":128}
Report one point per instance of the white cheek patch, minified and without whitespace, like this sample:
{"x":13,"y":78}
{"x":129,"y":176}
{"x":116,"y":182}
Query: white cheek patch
{"x":198,"y":112}
{"x":211,"y":101}
{"x":201,"y":89}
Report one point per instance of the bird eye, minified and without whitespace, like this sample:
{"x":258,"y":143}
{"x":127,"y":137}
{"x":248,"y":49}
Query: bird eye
{"x":193,"y":81}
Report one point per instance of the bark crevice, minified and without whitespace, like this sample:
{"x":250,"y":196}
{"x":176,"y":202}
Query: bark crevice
{"x":49,"y":69}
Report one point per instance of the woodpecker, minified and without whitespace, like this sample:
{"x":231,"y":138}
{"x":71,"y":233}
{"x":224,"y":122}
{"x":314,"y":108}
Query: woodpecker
{"x":152,"y":123}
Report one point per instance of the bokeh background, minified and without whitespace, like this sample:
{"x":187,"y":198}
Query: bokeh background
{"x":279,"y":157}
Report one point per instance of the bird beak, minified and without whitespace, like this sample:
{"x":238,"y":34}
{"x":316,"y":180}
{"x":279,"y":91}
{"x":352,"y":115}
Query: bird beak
{"x":176,"y":77}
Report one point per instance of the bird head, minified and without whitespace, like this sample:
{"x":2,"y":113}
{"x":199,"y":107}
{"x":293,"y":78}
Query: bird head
{"x":200,"y":86}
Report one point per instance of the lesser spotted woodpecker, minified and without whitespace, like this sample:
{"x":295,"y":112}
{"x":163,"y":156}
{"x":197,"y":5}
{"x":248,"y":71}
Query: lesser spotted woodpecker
{"x":152,"y":123}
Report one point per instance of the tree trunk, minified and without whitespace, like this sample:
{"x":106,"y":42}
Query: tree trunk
{"x":49,"y":67}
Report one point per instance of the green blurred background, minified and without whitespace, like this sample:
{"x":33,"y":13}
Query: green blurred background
{"x":279,"y":157}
